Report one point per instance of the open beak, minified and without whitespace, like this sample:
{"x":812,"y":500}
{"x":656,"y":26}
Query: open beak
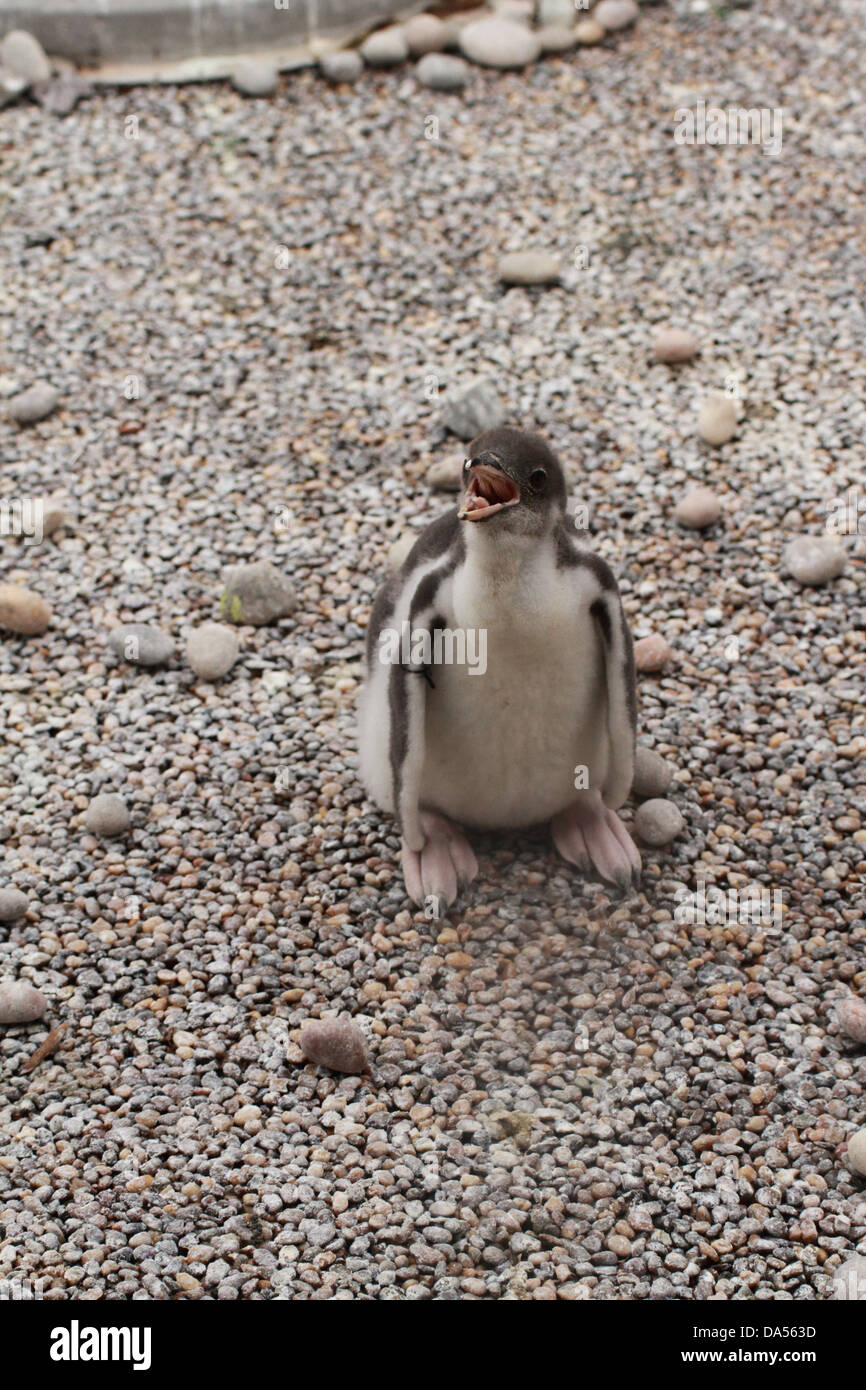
{"x":489,"y":491}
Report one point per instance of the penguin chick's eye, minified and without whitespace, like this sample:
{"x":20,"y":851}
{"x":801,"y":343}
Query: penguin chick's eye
{"x":538,"y":478}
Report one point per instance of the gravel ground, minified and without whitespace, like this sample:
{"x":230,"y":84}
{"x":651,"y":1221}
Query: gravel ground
{"x":570,"y":1096}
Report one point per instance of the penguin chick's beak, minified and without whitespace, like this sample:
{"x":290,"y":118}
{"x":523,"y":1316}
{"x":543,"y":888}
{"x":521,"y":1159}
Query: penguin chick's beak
{"x":489,"y":491}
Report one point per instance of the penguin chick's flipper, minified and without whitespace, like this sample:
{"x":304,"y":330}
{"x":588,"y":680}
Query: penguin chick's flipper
{"x":590,"y":835}
{"x":444,"y":864}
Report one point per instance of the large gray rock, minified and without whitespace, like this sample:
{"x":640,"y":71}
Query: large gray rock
{"x":212,"y":650}
{"x":474,"y":408}
{"x":13,"y":904}
{"x":346,"y":65}
{"x":657,"y":822}
{"x":107,"y":815}
{"x":424,"y":33}
{"x":141,"y":644}
{"x":442,"y":72}
{"x":813,"y":560}
{"x":652,"y":775}
{"x":256,"y":594}
{"x":386,"y":48}
{"x":20,"y":1002}
{"x":34,"y":404}
{"x":499,"y":42}
{"x":255,"y":77}
{"x":24,"y":55}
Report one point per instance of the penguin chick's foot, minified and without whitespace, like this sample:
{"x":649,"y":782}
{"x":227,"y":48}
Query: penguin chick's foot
{"x":592,"y":836}
{"x":444,"y":864}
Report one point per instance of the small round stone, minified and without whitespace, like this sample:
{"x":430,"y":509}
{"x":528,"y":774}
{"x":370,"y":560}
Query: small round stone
{"x":589,"y":32}
{"x":23,"y":611}
{"x":424,"y":33}
{"x":849,"y":1280}
{"x":34,"y":404}
{"x":717,"y":418}
{"x":13,"y":904}
{"x":20,"y":1002}
{"x":851,"y":1017}
{"x":257,"y":594}
{"x":555,"y":38}
{"x":446,"y":475}
{"x":814,"y":560}
{"x":652,"y":775}
{"x":675,"y":345}
{"x":529,"y":268}
{"x":22,"y":54}
{"x":652,"y":653}
{"x":657,"y":822}
{"x":499,"y":42}
{"x":442,"y":72}
{"x":399,"y":551}
{"x":141,"y":644}
{"x":212,"y":650}
{"x":346,"y":65}
{"x":698,"y":508}
{"x":386,"y":48}
{"x":337,"y":1043}
{"x":255,"y":77}
{"x":615,"y":14}
{"x":107,"y":815}
{"x":857,"y":1152}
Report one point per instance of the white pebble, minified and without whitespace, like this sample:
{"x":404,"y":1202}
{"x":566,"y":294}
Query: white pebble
{"x":717,"y":418}
{"x":107,"y":815}
{"x":212,"y":650}
{"x":20,"y":1002}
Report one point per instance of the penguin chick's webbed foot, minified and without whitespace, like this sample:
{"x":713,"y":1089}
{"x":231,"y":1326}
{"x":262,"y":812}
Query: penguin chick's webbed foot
{"x":445,"y":864}
{"x":592,"y":836}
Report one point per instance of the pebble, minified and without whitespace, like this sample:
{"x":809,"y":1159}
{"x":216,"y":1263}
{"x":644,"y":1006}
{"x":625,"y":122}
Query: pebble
{"x":849,"y":1280}
{"x":212,"y":650}
{"x":588,"y":32}
{"x":399,"y":551}
{"x":658,"y":821}
{"x":555,"y":38}
{"x":141,"y":644}
{"x":652,"y":774}
{"x":851,"y":1018}
{"x":346,"y":65}
{"x":717,"y":416}
{"x":424,"y":33}
{"x":337,"y":1043}
{"x":446,"y":475}
{"x":652,"y":653}
{"x":256,"y":593}
{"x":20,"y":1002}
{"x":615,"y":14}
{"x":675,"y":345}
{"x":23,"y":55}
{"x":529,"y":268}
{"x":814,"y":560}
{"x":699,"y":508}
{"x":499,"y":42}
{"x":255,"y":77}
{"x":857,"y":1152}
{"x":442,"y":72}
{"x":386,"y":48}
{"x":23,"y":611}
{"x":34,"y":404}
{"x":473,"y":408}
{"x":107,"y":815}
{"x":13,"y":904}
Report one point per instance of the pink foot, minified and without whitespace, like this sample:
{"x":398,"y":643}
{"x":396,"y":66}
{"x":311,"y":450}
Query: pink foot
{"x":444,"y":864}
{"x":592,"y":836}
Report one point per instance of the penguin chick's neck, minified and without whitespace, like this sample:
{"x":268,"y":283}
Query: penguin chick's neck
{"x":501,"y":558}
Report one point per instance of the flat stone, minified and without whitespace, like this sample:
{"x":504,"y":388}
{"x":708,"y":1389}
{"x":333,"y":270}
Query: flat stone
{"x":346,"y":65}
{"x":499,"y":42}
{"x":424,"y":33}
{"x":814,"y":560}
{"x":256,"y":593}
{"x":20,"y":1002}
{"x":473,"y":408}
{"x":615,"y":14}
{"x":141,"y":644}
{"x":255,"y":77}
{"x":652,"y":774}
{"x":652,"y":653}
{"x":589,"y":32}
{"x":657,"y":822}
{"x":212,"y":650}
{"x":857,"y":1152}
{"x":34,"y":404}
{"x":22,"y":611}
{"x":675,"y":345}
{"x":555,"y":38}
{"x":337,"y":1043}
{"x":698,"y":508}
{"x":529,"y":268}
{"x":107,"y":815}
{"x":443,"y":72}
{"x":717,"y":418}
{"x":24,"y":56}
{"x":13,"y":904}
{"x":386,"y":48}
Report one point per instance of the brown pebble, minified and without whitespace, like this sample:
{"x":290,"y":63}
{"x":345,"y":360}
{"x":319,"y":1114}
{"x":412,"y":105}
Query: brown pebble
{"x":675,"y":345}
{"x":23,"y":611}
{"x":652,"y":653}
{"x":337,"y":1043}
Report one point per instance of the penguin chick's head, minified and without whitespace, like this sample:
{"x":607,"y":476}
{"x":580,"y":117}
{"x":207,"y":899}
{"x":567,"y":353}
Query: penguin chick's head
{"x":513,"y":481}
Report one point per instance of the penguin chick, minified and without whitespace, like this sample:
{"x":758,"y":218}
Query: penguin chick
{"x":500,"y":686}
